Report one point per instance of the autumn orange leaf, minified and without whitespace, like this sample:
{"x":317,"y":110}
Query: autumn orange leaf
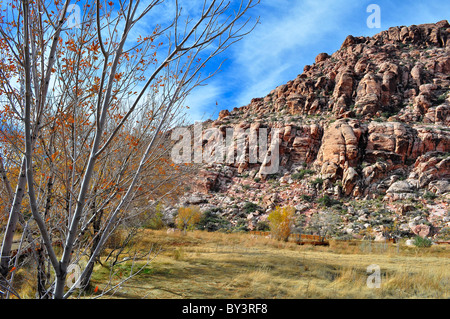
{"x":12,"y":269}
{"x":96,"y":289}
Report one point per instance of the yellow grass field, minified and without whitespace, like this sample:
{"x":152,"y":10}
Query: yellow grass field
{"x":240,"y":265}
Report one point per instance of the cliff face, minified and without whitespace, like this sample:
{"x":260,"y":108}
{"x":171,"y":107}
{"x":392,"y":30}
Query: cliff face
{"x":369,"y":122}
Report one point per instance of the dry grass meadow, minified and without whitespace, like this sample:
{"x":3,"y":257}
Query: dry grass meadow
{"x":239,"y":265}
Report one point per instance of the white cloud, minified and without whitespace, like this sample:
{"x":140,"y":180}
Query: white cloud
{"x":272,"y":54}
{"x":290,"y":35}
{"x":268,"y":57}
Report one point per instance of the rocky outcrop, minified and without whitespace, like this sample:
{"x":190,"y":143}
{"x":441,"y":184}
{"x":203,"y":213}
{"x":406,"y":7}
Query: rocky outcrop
{"x":391,"y":141}
{"x":301,"y":143}
{"x":430,"y":167}
{"x":401,"y":72}
{"x":340,"y":148}
{"x":369,"y":121}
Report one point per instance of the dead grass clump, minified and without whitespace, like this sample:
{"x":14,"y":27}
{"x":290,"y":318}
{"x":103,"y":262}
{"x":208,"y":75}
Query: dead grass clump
{"x":25,"y":284}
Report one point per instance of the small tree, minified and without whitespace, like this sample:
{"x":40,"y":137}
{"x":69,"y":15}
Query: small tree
{"x":154,"y":218}
{"x":85,"y":113}
{"x":325,"y":223}
{"x":188,"y":217}
{"x":281,"y":221}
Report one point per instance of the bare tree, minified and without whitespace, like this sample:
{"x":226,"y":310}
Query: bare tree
{"x":93,"y":105}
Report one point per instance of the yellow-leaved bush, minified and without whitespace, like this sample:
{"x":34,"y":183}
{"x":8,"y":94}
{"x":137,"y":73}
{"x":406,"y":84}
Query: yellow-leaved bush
{"x":188,"y":217}
{"x":281,"y":221}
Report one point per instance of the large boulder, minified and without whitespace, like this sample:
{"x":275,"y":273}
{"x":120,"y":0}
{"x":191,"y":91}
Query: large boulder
{"x":224,"y":113}
{"x":421,"y":230}
{"x":321,"y":57}
{"x":304,"y":142}
{"x":349,"y":180}
{"x":402,"y":187}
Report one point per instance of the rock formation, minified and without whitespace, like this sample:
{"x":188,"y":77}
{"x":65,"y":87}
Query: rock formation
{"x":368,"y":122}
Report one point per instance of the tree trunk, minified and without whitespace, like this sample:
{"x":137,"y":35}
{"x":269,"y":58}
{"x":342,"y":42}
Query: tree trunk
{"x":12,"y":223}
{"x":42,"y":275}
{"x":96,"y":224}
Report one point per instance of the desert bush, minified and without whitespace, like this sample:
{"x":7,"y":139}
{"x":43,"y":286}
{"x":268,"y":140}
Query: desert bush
{"x":262,"y":226}
{"x":188,"y":217}
{"x":327,"y":201}
{"x":300,"y":174}
{"x":422,"y":242}
{"x":155,"y":218}
{"x":317,"y":181}
{"x":441,"y":98}
{"x":271,"y":177}
{"x":325,"y":223}
{"x":116,"y":239}
{"x":444,"y":233}
{"x":281,"y":221}
{"x":429,"y":195}
{"x":156,"y":222}
{"x":210,"y":221}
{"x":241,"y":226}
{"x":178,"y":254}
{"x":306,"y":198}
{"x":250,"y":207}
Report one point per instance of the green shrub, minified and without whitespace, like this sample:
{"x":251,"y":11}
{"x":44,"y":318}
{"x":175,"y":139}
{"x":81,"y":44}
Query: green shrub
{"x":250,"y":207}
{"x":444,"y":233}
{"x":441,"y":98}
{"x":155,"y":222}
{"x":213,"y":222}
{"x":429,"y":195}
{"x":154,"y":218}
{"x":317,"y":181}
{"x":422,"y":242}
{"x":262,"y":226}
{"x":300,"y":174}
{"x":241,"y":226}
{"x":327,"y":201}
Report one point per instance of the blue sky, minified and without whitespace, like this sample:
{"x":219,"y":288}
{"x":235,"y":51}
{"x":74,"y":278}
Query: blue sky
{"x":290,"y":35}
